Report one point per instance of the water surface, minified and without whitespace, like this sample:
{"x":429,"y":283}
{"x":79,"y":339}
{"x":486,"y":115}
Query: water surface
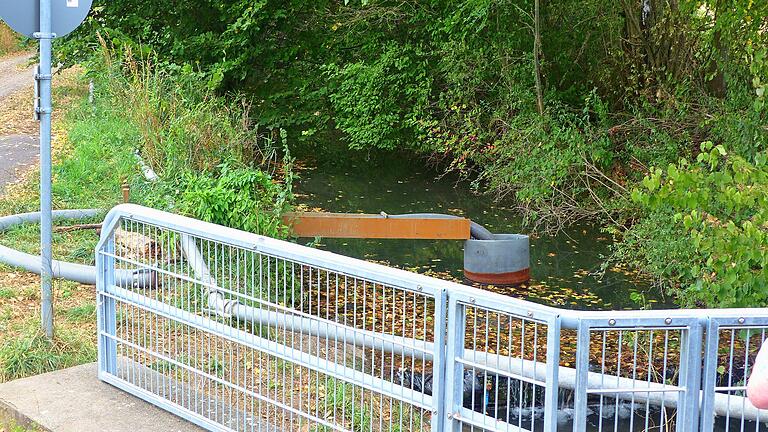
{"x":566,"y":268}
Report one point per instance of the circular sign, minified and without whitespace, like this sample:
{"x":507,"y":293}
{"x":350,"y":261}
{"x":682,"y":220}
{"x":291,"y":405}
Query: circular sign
{"x":24,"y":16}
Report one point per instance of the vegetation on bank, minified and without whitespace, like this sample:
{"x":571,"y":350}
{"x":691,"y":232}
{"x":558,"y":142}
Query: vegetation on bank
{"x":9,"y":41}
{"x":705,"y":228}
{"x":213,"y":164}
{"x":562,"y":108}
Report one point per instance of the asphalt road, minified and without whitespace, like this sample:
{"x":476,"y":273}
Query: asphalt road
{"x":17,"y":152}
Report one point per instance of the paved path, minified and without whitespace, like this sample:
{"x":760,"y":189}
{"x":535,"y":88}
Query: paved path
{"x":17,"y":152}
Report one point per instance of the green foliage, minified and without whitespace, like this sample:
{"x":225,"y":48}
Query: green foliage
{"x":759,"y":68}
{"x":240,"y":198}
{"x":377,"y":104}
{"x":99,"y":159}
{"x":82,"y":313}
{"x":711,"y":231}
{"x":10,"y":425}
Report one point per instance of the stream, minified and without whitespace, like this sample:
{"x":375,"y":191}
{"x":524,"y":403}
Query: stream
{"x":565,"y":268}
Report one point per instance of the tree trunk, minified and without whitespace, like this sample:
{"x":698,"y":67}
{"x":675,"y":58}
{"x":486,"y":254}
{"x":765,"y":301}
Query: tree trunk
{"x":537,"y":57}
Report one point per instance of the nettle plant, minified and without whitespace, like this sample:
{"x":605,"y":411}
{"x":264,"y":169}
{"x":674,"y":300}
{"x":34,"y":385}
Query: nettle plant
{"x":720,"y":202}
{"x":239,"y":197}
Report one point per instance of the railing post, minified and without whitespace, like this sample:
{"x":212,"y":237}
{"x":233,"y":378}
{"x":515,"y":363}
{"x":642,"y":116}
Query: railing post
{"x":582,"y":378}
{"x":454,"y":373}
{"x":553,"y":369}
{"x":690,"y":377}
{"x":707,"y":411}
{"x":439,"y":405}
{"x":106,"y":309}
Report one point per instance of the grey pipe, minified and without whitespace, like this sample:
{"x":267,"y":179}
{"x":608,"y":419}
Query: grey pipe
{"x":8,"y":222}
{"x":80,"y":273}
{"x":476,"y":231}
{"x":724,"y":405}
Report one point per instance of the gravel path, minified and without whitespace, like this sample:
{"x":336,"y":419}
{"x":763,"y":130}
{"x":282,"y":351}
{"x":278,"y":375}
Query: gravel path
{"x":17,"y":152}
{"x":14,"y":74}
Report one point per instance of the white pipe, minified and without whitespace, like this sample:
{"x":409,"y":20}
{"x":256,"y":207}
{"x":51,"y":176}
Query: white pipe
{"x":724,"y":405}
{"x":148,"y":172}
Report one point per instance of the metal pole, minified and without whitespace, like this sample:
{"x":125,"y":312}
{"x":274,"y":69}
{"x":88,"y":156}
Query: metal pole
{"x":45,"y":166}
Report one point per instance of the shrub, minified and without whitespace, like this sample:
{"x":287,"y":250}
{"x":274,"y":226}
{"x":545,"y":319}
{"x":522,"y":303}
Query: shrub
{"x":706,"y":228}
{"x":242,"y":198}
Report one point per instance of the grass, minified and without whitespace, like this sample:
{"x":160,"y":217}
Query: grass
{"x":11,"y":425}
{"x":24,"y":350}
{"x":82,"y":313}
{"x":88,"y":172}
{"x":31,"y":353}
{"x":93,"y":147}
{"x":361,"y":411}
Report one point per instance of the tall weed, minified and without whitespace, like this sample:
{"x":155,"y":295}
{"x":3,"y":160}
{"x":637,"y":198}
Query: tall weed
{"x":214,"y":163}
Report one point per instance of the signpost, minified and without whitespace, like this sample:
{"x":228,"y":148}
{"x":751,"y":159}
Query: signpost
{"x":44,"y":21}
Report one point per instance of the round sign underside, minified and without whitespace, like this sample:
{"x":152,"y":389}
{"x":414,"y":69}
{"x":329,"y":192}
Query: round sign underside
{"x":24,"y":16}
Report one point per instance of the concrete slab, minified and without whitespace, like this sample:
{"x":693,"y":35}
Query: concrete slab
{"x":75,"y":399}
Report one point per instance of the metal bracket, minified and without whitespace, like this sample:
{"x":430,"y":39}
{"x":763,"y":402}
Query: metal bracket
{"x":40,"y":35}
{"x":36,"y":102}
{"x":37,"y":108}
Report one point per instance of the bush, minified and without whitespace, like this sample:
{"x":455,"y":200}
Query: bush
{"x":706,"y":228}
{"x":377,"y":103}
{"x":241,"y":198}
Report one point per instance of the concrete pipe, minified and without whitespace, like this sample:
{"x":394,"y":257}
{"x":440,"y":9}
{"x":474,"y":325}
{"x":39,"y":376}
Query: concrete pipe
{"x":504,"y":260}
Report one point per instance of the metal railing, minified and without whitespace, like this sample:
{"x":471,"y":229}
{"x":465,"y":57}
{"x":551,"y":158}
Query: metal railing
{"x":247,"y":333}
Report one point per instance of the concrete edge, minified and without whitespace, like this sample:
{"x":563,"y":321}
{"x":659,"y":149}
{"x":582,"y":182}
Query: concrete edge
{"x":11,"y":416}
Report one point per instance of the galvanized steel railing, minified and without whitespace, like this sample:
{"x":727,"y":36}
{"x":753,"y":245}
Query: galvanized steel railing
{"x":244,"y":332}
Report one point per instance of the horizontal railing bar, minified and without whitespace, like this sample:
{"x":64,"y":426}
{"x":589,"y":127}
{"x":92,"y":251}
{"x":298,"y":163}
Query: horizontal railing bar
{"x":277,"y":248}
{"x":288,"y":354}
{"x":320,"y":320}
{"x":623,"y":328}
{"x":349,"y":336}
{"x":746,"y":327}
{"x":173,"y":407}
{"x":734,"y":388}
{"x":480,"y":420}
{"x":671,"y":389}
{"x":160,"y":270}
{"x":226,"y":383}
